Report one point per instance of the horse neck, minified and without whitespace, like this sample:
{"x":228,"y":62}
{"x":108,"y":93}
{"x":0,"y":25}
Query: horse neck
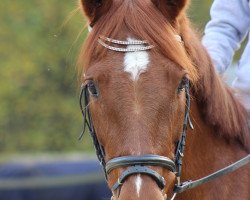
{"x":206,"y":153}
{"x":209,"y":150}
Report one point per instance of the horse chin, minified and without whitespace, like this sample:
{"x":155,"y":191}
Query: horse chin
{"x":140,"y":187}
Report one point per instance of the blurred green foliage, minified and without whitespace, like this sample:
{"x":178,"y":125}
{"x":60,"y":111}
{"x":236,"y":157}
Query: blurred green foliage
{"x":38,"y":88}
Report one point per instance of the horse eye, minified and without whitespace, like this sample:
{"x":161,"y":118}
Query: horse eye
{"x":92,"y":89}
{"x":98,"y":3}
{"x":182,"y":84}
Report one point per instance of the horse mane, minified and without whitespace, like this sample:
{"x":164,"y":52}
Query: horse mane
{"x":219,"y":107}
{"x":217,"y":104}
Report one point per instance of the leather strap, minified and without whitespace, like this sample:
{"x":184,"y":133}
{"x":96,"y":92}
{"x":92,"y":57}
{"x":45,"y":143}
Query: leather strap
{"x":191,"y":184}
{"x":152,"y":160}
{"x":139,"y":170}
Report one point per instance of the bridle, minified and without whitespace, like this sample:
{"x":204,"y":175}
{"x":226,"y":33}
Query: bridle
{"x":139,"y":164}
{"x":136,"y":164}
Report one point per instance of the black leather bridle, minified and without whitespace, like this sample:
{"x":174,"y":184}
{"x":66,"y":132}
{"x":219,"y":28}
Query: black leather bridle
{"x":138,"y":164}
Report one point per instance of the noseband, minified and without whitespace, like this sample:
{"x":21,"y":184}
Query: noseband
{"x":139,"y":164}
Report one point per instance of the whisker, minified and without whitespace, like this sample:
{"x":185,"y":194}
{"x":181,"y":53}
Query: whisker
{"x":77,"y":38}
{"x":69,"y":17}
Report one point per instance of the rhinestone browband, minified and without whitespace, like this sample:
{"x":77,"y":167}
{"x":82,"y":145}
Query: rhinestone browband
{"x":103,"y":39}
{"x":144,"y":45}
{"x":132,"y":42}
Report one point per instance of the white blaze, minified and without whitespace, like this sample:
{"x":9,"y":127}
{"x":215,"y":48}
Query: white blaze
{"x":138,"y":183}
{"x":135,"y":62}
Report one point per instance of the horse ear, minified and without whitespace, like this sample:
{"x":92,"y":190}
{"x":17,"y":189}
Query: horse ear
{"x":94,"y":9}
{"x":171,"y":8}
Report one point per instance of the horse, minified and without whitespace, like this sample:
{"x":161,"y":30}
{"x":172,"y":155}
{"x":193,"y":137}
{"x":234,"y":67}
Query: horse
{"x":149,"y":92}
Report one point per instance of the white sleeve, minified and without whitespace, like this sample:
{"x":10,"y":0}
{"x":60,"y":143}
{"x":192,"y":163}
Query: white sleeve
{"x":229,"y":24}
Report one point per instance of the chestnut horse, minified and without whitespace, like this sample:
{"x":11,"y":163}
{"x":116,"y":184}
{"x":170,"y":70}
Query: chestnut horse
{"x":143,"y":66}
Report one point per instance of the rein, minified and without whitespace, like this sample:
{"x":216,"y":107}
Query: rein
{"x":191,"y":184}
{"x":138,"y":164}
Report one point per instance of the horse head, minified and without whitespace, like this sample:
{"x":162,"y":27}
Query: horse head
{"x":137,"y":75}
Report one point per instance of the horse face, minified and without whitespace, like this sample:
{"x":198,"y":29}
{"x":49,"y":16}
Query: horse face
{"x":137,"y":99}
{"x":137,"y":102}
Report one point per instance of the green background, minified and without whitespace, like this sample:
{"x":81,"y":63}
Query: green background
{"x":39,"y":45}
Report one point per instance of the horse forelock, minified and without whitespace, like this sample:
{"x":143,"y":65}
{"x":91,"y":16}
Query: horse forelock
{"x":139,"y":19}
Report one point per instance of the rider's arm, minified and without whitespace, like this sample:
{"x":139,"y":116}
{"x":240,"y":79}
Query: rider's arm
{"x":230,"y":22}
